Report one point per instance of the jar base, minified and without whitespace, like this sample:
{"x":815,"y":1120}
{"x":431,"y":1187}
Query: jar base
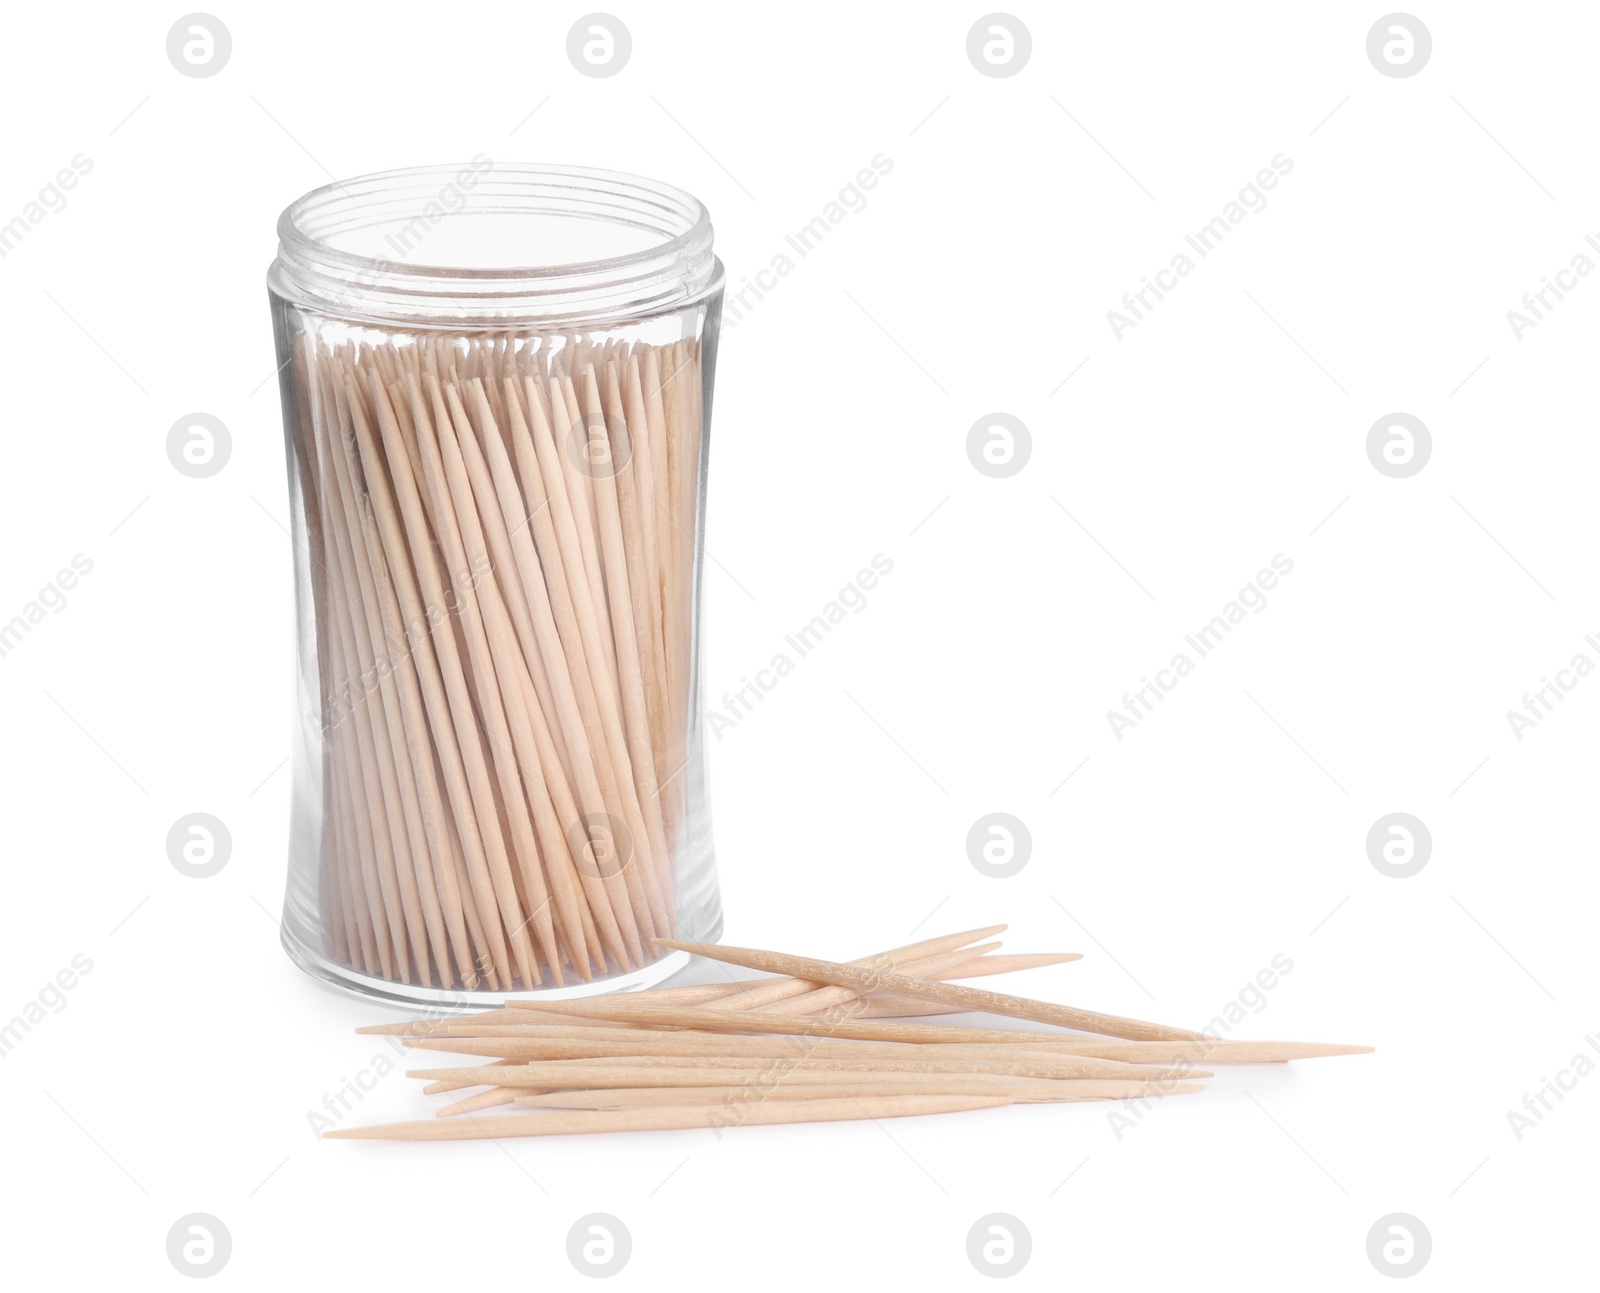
{"x":367,"y":987}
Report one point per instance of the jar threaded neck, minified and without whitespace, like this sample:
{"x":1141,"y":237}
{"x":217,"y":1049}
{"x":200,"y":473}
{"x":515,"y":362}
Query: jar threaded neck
{"x":359,"y":249}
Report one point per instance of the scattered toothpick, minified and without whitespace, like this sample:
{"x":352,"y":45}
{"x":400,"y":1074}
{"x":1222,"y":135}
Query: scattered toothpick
{"x":799,"y":1047}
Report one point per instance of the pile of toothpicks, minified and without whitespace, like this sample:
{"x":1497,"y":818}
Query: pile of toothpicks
{"x":822,"y":1042}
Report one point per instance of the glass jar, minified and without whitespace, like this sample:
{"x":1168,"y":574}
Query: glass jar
{"x":496,"y":385}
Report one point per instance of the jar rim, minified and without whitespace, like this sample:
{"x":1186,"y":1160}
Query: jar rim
{"x":676,"y":270}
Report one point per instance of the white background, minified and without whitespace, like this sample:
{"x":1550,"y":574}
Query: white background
{"x":1229,"y":826}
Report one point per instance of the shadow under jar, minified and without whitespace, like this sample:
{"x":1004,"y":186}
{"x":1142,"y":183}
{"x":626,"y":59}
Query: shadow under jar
{"x":496,"y":385}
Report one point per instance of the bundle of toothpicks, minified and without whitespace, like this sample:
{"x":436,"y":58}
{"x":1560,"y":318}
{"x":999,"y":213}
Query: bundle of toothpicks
{"x":821,"y":1041}
{"x":501,"y":535}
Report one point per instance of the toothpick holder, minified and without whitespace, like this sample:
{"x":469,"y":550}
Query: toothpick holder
{"x":496,"y":385}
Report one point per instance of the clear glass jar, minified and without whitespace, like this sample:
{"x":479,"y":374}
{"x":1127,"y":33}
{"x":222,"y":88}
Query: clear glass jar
{"x":496,"y":386}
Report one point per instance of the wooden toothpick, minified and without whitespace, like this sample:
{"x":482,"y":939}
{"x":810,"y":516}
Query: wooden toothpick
{"x":968,"y":998}
{"x":1018,"y":1090}
{"x":669,"y":1119}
